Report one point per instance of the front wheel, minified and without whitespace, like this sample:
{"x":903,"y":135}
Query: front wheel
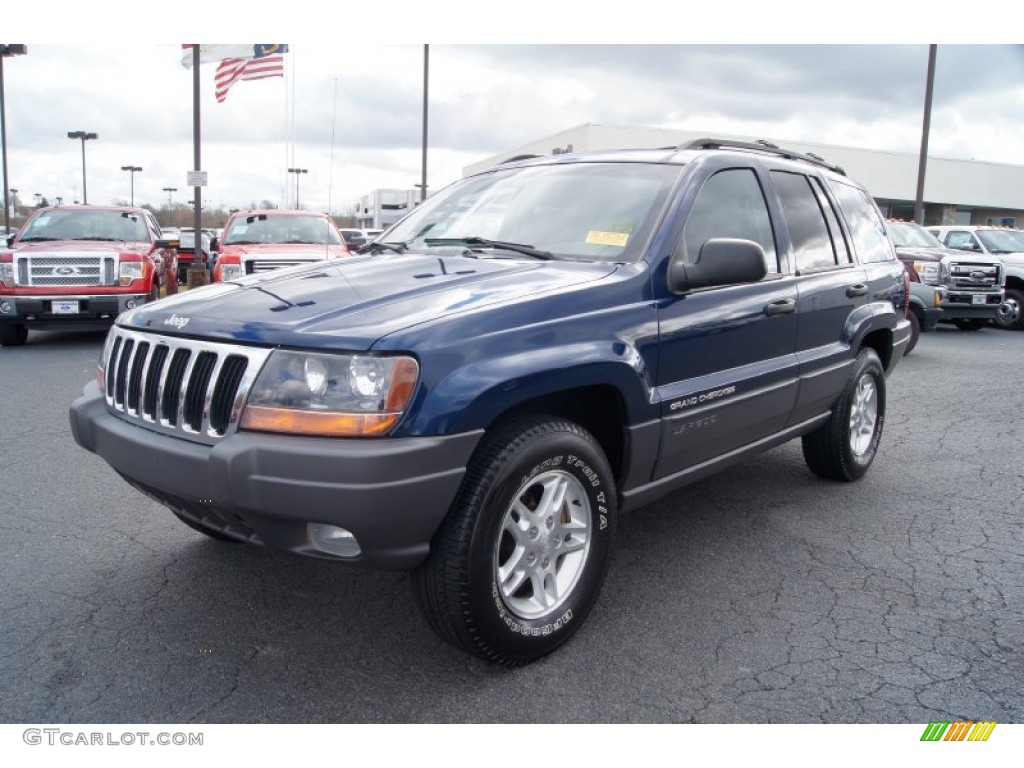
{"x":844,"y":446}
{"x":519,"y":561}
{"x":915,"y":332}
{"x":1010,"y":314}
{"x":970,"y":323}
{"x":13,"y":334}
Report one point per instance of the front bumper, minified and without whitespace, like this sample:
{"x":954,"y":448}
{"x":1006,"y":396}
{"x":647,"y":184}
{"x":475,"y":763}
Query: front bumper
{"x":961,"y":305}
{"x":97,"y":311}
{"x":392,"y":494}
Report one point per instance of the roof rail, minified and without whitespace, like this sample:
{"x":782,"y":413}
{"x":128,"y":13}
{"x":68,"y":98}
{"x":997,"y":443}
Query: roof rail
{"x":759,"y":146}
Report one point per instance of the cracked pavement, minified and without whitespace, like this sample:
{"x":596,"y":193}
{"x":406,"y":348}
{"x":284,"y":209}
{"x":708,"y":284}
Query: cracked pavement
{"x":761,"y":595}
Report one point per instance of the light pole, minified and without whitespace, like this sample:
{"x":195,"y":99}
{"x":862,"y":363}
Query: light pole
{"x":297,"y":171}
{"x":169,"y":190}
{"x":84,"y":136}
{"x":59,"y":200}
{"x":132,"y":169}
{"x":5,"y":51}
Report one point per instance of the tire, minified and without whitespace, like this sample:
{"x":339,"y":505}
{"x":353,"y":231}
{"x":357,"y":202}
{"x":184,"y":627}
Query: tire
{"x":844,"y":446}
{"x":970,"y":324}
{"x":915,"y":332}
{"x":1010,"y":314}
{"x":520,"y":559}
{"x":210,"y":532}
{"x":12,"y":334}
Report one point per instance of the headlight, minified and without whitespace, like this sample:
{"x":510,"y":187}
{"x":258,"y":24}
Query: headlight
{"x":928,"y":271}
{"x":131,"y":270}
{"x":230,"y":271}
{"x":330,"y":395}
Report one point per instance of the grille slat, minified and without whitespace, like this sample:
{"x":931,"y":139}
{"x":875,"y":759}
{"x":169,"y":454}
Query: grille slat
{"x":153,"y":378}
{"x":177,"y":386}
{"x":135,"y":377}
{"x":171,"y":400}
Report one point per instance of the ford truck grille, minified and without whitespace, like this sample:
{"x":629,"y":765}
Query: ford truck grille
{"x":266,"y":265}
{"x":965,"y":274}
{"x":72,"y":269}
{"x":182,"y":387}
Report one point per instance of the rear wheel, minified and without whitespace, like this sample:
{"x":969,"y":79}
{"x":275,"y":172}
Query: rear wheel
{"x":12,"y":334}
{"x":970,"y":323}
{"x":844,"y":446}
{"x":520,"y":559}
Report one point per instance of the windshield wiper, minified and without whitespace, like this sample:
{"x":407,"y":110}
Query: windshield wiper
{"x":483,"y":242}
{"x":242,"y":242}
{"x":38,"y":239}
{"x":376,"y":247}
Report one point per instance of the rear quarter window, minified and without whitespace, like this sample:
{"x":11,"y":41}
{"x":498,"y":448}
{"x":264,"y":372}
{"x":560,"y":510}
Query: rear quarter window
{"x":866,"y":225}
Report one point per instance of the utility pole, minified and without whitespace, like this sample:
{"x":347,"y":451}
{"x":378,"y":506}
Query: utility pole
{"x":922,"y":162}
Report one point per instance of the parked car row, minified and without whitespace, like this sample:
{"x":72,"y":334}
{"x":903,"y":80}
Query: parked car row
{"x":970,"y":276}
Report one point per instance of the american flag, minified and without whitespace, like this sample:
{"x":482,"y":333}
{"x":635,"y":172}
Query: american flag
{"x":229,"y":71}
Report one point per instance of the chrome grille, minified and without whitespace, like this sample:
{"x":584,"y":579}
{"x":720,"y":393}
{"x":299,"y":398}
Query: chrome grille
{"x":266,"y":265}
{"x":182,"y":387}
{"x":72,"y":269}
{"x":965,"y":274}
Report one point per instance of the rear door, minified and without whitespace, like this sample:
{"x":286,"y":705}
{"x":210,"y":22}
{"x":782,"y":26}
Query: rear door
{"x":830,"y":287}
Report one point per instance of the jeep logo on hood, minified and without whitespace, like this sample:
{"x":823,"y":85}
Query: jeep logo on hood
{"x":177,"y":322}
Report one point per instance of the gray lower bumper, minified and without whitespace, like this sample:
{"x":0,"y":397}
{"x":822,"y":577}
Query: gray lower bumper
{"x":97,"y":310}
{"x":392,"y":494}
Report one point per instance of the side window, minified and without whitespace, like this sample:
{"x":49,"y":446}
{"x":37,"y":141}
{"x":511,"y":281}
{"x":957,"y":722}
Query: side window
{"x":843,"y":255}
{"x":812,"y":243}
{"x":731,"y":204}
{"x":866,"y":225}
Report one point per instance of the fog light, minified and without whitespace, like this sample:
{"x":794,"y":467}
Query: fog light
{"x":5,"y":307}
{"x":130,"y":304}
{"x":333,"y":540}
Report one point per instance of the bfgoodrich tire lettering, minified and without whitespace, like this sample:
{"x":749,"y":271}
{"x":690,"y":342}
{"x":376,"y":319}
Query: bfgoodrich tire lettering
{"x":520,"y":559}
{"x":844,"y":446}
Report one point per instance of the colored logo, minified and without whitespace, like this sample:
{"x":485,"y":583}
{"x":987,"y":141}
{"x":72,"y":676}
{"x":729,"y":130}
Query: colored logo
{"x":962,"y":730}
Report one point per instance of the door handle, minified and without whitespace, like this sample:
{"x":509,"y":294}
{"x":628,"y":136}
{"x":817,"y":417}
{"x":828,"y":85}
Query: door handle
{"x":780,"y":307}
{"x":857,"y":290}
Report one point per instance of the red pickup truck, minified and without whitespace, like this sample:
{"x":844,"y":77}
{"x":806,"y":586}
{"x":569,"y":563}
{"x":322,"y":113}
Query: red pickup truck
{"x":80,"y":266}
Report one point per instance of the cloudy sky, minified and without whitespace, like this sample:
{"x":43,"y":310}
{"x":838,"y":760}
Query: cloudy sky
{"x":349,"y":107}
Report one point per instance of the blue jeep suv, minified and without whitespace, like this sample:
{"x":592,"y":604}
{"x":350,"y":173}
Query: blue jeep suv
{"x":530,"y":353}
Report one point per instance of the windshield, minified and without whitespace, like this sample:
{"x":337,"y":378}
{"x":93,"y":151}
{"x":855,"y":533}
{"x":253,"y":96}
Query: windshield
{"x":912,"y":235}
{"x":79,"y":224}
{"x":586,"y":211}
{"x":281,"y":228}
{"x":1002,"y":240}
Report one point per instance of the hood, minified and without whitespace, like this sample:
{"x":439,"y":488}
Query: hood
{"x":915,"y":253}
{"x":291,"y":251}
{"x":351,"y":303}
{"x":71,"y":247}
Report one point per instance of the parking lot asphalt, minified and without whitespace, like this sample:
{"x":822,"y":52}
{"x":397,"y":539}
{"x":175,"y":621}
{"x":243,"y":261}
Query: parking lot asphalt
{"x":761,"y":595}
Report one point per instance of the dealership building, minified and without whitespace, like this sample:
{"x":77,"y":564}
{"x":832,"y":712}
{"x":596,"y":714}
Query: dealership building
{"x":955,"y":191}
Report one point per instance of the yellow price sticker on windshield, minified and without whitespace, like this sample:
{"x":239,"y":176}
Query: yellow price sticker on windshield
{"x":595,"y":237}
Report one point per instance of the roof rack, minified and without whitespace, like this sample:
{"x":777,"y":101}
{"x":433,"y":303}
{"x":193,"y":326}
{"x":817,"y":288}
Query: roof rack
{"x":517,"y":158}
{"x":760,"y":146}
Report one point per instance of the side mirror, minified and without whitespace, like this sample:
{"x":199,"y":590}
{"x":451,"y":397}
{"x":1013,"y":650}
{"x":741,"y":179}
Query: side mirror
{"x":722,"y":261}
{"x":215,"y":245}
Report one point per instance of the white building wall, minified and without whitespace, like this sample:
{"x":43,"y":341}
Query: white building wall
{"x":887,"y":175}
